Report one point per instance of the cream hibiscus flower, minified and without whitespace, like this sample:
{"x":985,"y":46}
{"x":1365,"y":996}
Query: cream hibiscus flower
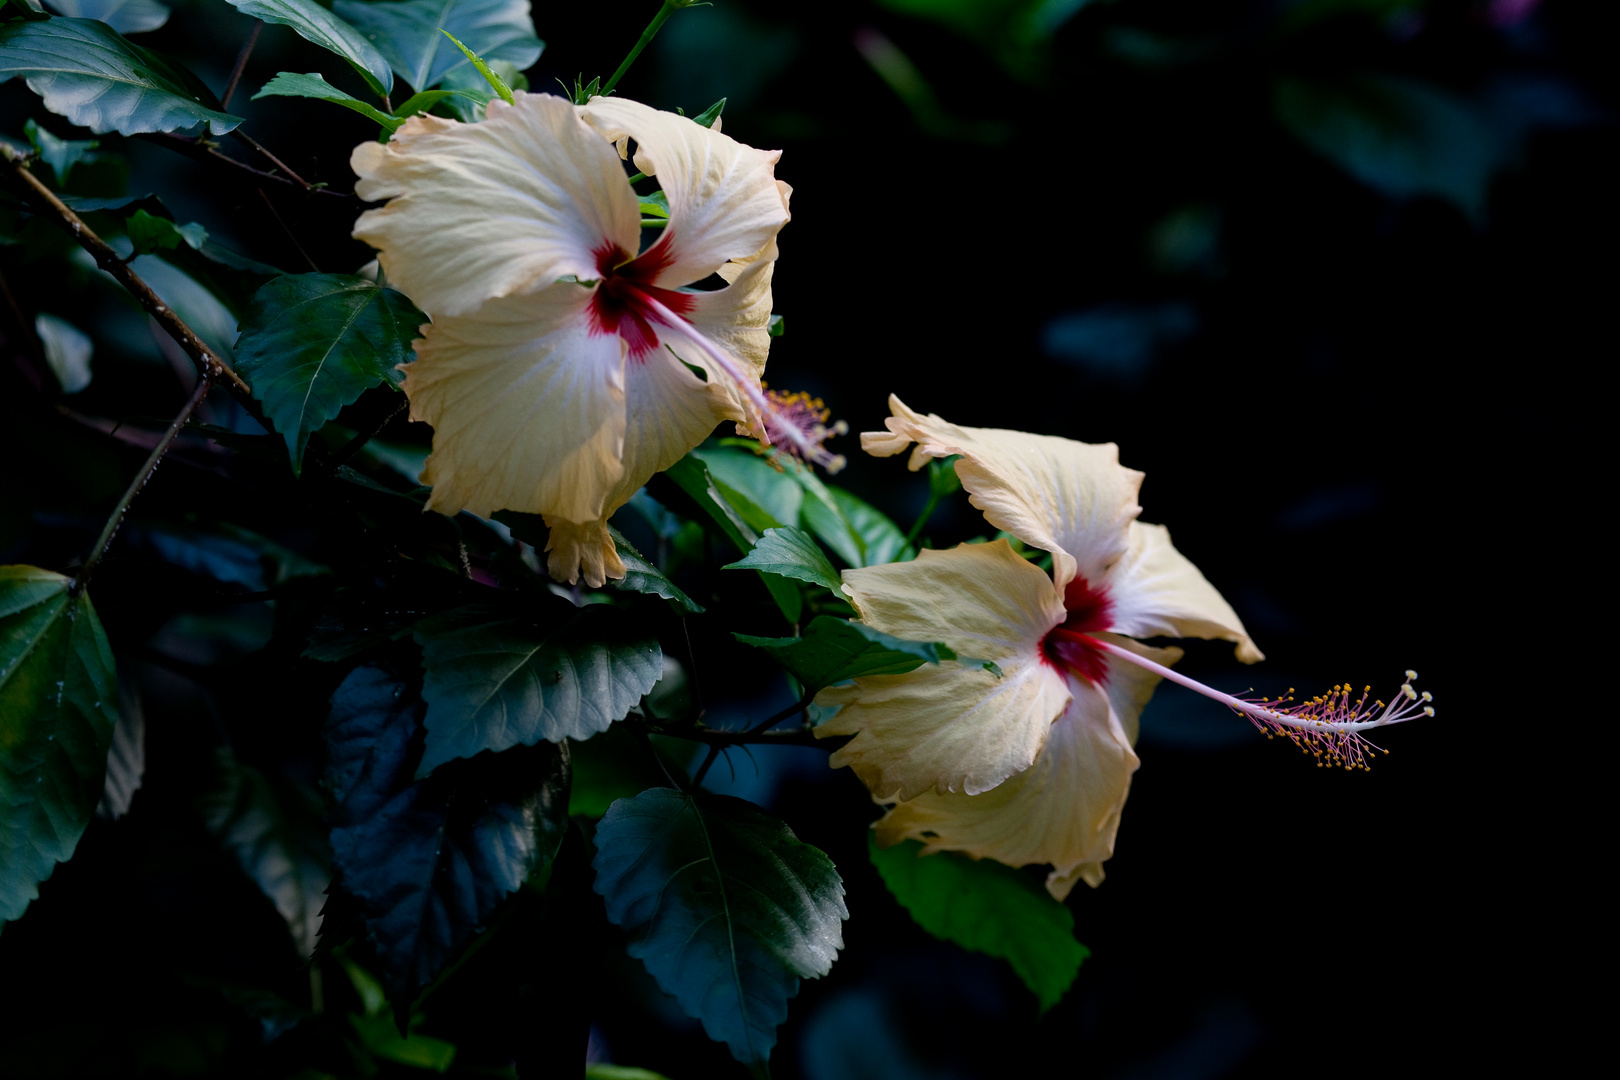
{"x":1033,"y":765}
{"x":564,"y":366}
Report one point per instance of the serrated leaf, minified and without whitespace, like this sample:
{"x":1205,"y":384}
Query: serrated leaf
{"x":790,"y":552}
{"x":124,"y":16}
{"x":315,"y":24}
{"x":407,"y":33}
{"x":833,"y":650}
{"x":727,"y":909}
{"x":88,"y":73}
{"x":640,"y":575}
{"x":429,"y":860}
{"x":277,"y":839}
{"x":60,"y":154}
{"x":494,"y":681}
{"x":58,"y":706}
{"x":988,"y":908}
{"x":313,"y":343}
{"x":312,"y":85}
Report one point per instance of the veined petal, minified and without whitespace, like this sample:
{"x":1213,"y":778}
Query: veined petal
{"x":1158,"y":592}
{"x":724,"y":203}
{"x":527,"y":406}
{"x":507,"y":206}
{"x":1071,"y":498}
{"x":944,"y":727}
{"x":738,"y":316}
{"x":1063,"y":810}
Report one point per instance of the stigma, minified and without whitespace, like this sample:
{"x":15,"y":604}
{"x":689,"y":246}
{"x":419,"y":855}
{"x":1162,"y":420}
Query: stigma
{"x":799,"y":425}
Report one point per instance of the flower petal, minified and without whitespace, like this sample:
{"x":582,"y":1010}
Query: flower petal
{"x":724,"y":203}
{"x":507,"y":206}
{"x":944,"y":726}
{"x":1071,"y":498}
{"x":527,"y":406}
{"x":1158,"y":592}
{"x":738,"y":316}
{"x":575,"y":547}
{"x":1063,"y":810}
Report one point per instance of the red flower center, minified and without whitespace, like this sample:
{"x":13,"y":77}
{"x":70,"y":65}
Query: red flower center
{"x":1069,"y":645}
{"x":621,"y":305}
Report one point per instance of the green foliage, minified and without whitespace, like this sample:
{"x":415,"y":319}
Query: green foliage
{"x":495,"y":82}
{"x":989,"y":908}
{"x":380,"y":1034}
{"x":429,"y":860}
{"x":835,"y":650}
{"x":60,"y":154}
{"x":90,"y":74}
{"x":642,"y":576}
{"x":407,"y":33}
{"x":472,"y":93}
{"x":313,"y":343}
{"x":790,"y":552}
{"x":739,"y":520}
{"x":708,"y":116}
{"x":277,"y":838}
{"x":67,"y":351}
{"x":494,"y":681}
{"x":124,"y":16}
{"x":727,"y":909}
{"x":291,"y":84}
{"x":58,"y":705}
{"x":148,"y":234}
{"x":316,"y":24}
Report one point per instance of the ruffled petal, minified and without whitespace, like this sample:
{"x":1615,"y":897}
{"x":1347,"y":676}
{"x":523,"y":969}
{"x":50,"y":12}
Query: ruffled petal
{"x":944,"y":726}
{"x":1071,"y":498}
{"x":582,"y":547}
{"x":738,"y":316}
{"x":1158,"y":592}
{"x":1063,"y":810}
{"x":527,"y":406}
{"x":507,"y":206}
{"x":724,"y":202}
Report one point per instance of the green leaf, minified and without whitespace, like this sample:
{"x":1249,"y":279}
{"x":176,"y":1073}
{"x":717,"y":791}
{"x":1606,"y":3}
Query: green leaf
{"x":833,"y":650}
{"x":60,"y":154}
{"x":708,"y":116}
{"x":601,"y":1071}
{"x":314,"y":23}
{"x":426,"y":99}
{"x":496,"y":83}
{"x":67,"y":351}
{"x":278,"y":840}
{"x":727,"y":909}
{"x":291,"y":84}
{"x":382,"y":1038}
{"x":790,"y":552}
{"x":608,"y":767}
{"x":989,"y":908}
{"x":494,"y":681}
{"x":739,"y":520}
{"x":429,"y":860}
{"x":149,"y":234}
{"x":58,"y":706}
{"x":88,"y":73}
{"x":775,"y":326}
{"x":880,"y":540}
{"x":640,"y":575}
{"x":759,"y":482}
{"x":407,"y":33}
{"x":313,"y":343}
{"x":124,"y":16}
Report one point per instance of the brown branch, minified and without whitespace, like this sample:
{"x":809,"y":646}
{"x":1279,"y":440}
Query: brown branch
{"x":241,"y":62}
{"x":238,"y":133}
{"x":209,"y":364}
{"x":192,"y":149}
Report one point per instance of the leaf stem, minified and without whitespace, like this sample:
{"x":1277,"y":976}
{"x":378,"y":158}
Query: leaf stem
{"x":647,"y":35}
{"x":241,"y":62}
{"x":703,"y":770}
{"x":244,"y":137}
{"x":922,"y":518}
{"x":209,"y":365}
{"x":82,"y":579}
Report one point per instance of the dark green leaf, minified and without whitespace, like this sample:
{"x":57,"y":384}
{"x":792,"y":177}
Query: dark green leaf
{"x":60,"y":154}
{"x":230,"y":554}
{"x":769,"y":496}
{"x":708,"y":116}
{"x":429,"y":860}
{"x":496,"y":83}
{"x":426,"y":99}
{"x":407,"y":33}
{"x":614,"y":765}
{"x":382,"y":1038}
{"x":58,"y":706}
{"x":314,"y":23}
{"x":942,"y":478}
{"x":833,"y":650}
{"x":989,"y":908}
{"x":149,"y":234}
{"x":740,"y":519}
{"x":775,"y":326}
{"x":640,"y":575}
{"x":881,"y":540}
{"x":291,"y":84}
{"x":790,"y":552}
{"x":126,"y":758}
{"x":86,"y":72}
{"x":277,"y":838}
{"x":124,"y":16}
{"x":494,"y":681}
{"x":723,"y":904}
{"x":313,"y":343}
{"x":472,"y":92}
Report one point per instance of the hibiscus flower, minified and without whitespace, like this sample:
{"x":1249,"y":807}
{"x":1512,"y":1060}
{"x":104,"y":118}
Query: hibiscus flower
{"x":565,"y":366}
{"x":1033,"y":765}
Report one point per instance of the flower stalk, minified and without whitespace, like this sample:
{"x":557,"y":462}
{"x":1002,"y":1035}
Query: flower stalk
{"x":647,"y":35}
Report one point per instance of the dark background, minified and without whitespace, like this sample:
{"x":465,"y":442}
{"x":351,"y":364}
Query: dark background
{"x":1354,"y":354}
